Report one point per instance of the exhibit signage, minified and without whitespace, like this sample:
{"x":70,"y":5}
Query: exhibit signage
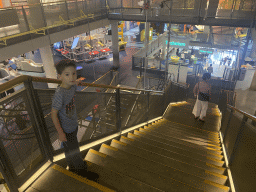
{"x":178,"y":43}
{"x":172,"y":43}
{"x":206,"y":51}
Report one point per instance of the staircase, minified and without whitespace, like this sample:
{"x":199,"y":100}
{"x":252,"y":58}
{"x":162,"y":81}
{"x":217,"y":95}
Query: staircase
{"x":173,"y":153}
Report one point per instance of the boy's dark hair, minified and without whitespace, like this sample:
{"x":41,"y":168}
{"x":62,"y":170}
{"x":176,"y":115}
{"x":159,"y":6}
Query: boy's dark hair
{"x":63,"y":64}
{"x":210,"y":64}
{"x":206,"y":76}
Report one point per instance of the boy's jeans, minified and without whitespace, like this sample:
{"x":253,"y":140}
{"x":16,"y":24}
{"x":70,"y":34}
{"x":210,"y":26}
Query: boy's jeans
{"x":72,"y":152}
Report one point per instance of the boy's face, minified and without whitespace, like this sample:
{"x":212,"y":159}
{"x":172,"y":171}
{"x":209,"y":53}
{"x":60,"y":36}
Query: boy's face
{"x":68,"y":77}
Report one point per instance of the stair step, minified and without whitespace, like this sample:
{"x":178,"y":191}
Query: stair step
{"x":119,"y":181}
{"x":201,"y":148}
{"x":187,"y":130}
{"x":176,"y":150}
{"x":207,"y":172}
{"x":180,"y":134}
{"x":144,"y":163}
{"x":176,"y":156}
{"x":48,"y":182}
{"x":156,"y":180}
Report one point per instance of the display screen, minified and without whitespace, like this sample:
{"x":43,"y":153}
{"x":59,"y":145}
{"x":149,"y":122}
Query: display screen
{"x":57,"y":45}
{"x":75,"y":43}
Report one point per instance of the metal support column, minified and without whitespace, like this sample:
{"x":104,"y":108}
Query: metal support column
{"x":148,"y":95}
{"x":167,"y":57}
{"x":118,"y":111}
{"x":40,"y":128}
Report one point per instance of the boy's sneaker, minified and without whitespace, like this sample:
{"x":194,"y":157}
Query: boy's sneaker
{"x":90,"y":175}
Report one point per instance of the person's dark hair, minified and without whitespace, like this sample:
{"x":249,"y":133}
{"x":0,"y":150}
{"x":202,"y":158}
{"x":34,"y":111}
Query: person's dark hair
{"x":210,"y":64}
{"x":206,"y":76}
{"x":63,"y":64}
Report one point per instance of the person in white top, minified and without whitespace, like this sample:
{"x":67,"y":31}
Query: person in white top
{"x":202,"y":93}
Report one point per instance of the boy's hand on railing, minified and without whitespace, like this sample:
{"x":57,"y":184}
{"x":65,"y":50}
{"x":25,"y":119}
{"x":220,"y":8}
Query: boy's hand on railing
{"x":79,"y":80}
{"x":62,"y":137}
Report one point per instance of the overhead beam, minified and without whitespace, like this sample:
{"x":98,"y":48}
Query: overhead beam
{"x":182,"y":20}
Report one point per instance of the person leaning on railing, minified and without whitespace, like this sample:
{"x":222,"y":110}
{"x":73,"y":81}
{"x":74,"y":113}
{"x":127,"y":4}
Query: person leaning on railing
{"x":202,"y":94}
{"x":64,"y":118}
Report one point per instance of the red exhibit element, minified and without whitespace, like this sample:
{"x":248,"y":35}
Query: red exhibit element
{"x":97,"y":90}
{"x":60,"y":49}
{"x":105,"y":50}
{"x":94,"y":53}
{"x":65,"y":52}
{"x":95,"y":108}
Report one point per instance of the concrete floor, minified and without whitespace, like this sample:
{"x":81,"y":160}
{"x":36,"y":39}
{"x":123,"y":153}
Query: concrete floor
{"x":245,"y":100}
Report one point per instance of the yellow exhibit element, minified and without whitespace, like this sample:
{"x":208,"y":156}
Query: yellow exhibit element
{"x":151,"y":33}
{"x":121,"y":32}
{"x":101,"y":44}
{"x":81,"y":179}
{"x":97,"y":153}
{"x":109,"y":147}
{"x":88,"y":45}
{"x":217,"y":185}
{"x":142,"y":35}
{"x":175,"y":59}
{"x":122,"y":45}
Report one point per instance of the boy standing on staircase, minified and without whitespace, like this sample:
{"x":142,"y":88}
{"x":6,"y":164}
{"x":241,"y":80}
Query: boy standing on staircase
{"x":64,"y":118}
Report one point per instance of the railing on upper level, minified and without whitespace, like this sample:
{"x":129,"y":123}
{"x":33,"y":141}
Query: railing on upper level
{"x":28,"y":137}
{"x":239,"y":139}
{"x":236,"y":13}
{"x":30,"y":21}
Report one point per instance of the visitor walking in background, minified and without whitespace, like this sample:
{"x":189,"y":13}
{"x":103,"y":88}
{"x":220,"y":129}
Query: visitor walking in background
{"x":202,"y":94}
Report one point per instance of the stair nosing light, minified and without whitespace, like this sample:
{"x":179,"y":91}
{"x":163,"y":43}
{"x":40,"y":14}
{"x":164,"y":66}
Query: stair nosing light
{"x":81,"y":179}
{"x":109,"y":147}
{"x":127,"y":138}
{"x":119,"y":142}
{"x":98,"y":153}
{"x":216,"y":174}
{"x":133,"y":135}
{"x":217,"y":185}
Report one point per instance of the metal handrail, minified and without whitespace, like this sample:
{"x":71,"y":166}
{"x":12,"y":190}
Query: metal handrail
{"x":22,"y":78}
{"x":242,"y":112}
{"x":97,"y":80}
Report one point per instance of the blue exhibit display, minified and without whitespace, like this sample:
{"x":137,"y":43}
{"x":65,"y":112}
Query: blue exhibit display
{"x":75,"y":42}
{"x":57,"y":45}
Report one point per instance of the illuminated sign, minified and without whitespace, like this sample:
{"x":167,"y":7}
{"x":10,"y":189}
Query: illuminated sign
{"x":206,"y":51}
{"x":176,"y":43}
